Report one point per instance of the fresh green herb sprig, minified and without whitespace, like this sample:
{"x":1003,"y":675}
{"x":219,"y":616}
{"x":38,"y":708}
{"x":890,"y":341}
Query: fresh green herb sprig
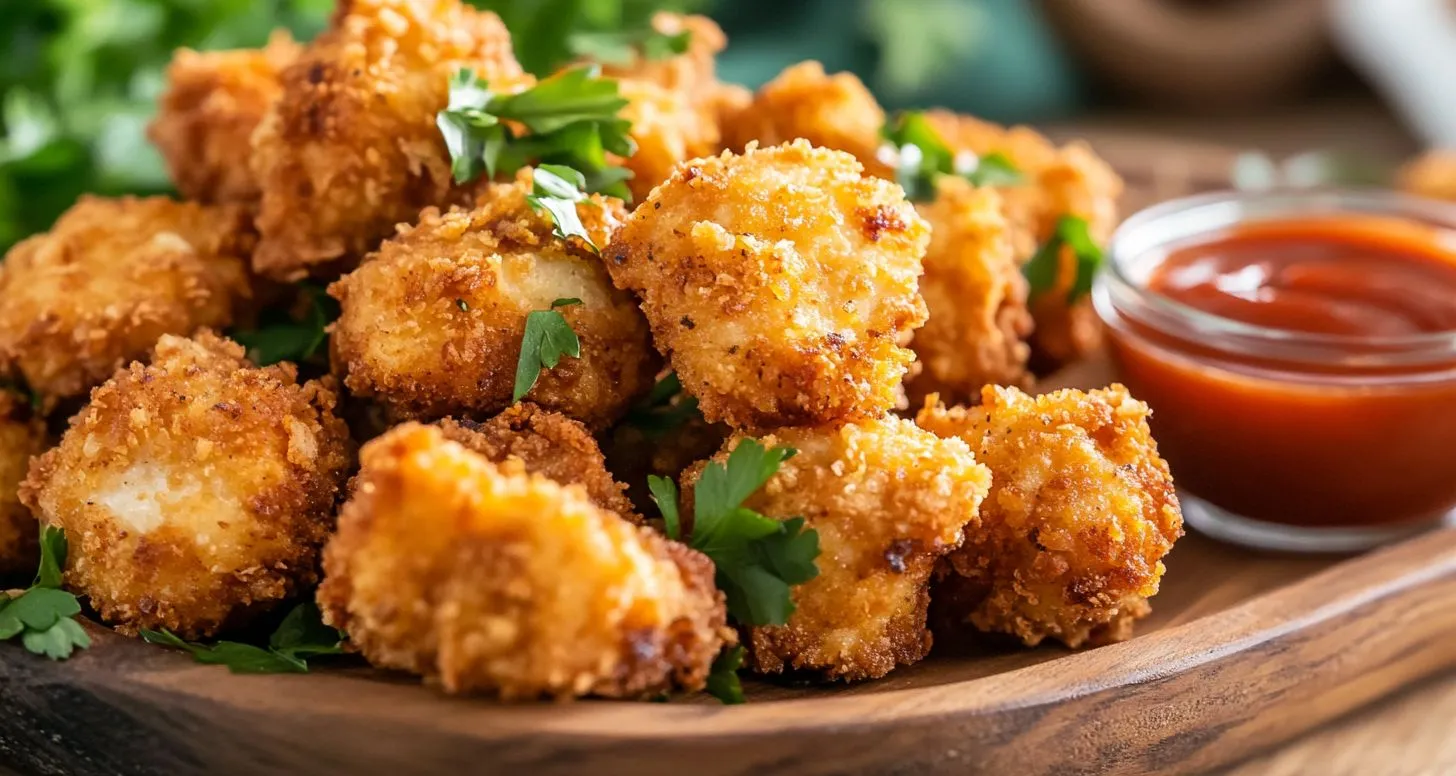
{"x":569,"y":119}
{"x":282,"y":337}
{"x":44,"y":615}
{"x":551,"y":33}
{"x":922,"y":157}
{"x":1042,"y":270}
{"x":301,"y":635}
{"x":620,"y":47}
{"x":664,"y":410}
{"x":555,"y":190}
{"x":723,"y":682}
{"x":548,"y":337}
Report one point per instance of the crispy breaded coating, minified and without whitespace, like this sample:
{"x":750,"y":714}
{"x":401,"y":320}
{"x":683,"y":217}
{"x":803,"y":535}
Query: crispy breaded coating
{"x":195,"y":491}
{"x":692,"y":73}
{"x":830,"y":111}
{"x":549,"y":444}
{"x":22,"y":435}
{"x":109,"y":278}
{"x":206,"y":117}
{"x":780,"y":283}
{"x":976,"y":295}
{"x":668,"y":128}
{"x":888,"y":499}
{"x":1066,"y":180}
{"x":351,"y":147}
{"x":1433,"y":174}
{"x":496,"y":581}
{"x":432,"y":323}
{"x":1081,"y":512}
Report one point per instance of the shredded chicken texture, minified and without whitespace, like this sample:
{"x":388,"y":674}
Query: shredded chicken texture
{"x":491,"y":580}
{"x":195,"y":491}
{"x":1080,"y":515}
{"x":351,"y":148}
{"x":780,"y":283}
{"x":109,"y":278}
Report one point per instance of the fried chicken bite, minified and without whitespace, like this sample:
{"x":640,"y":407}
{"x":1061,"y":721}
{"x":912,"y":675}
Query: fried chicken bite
{"x":1066,"y":180}
{"x":1433,"y":175}
{"x":432,"y":323}
{"x":109,"y":278}
{"x":351,"y":148}
{"x":206,"y":117}
{"x":830,"y":111}
{"x":545,"y":443}
{"x":491,"y":580}
{"x":780,"y":283}
{"x":1080,"y":515}
{"x":976,"y":296}
{"x":668,"y":129}
{"x":888,"y":499}
{"x":22,"y":435}
{"x":195,"y":491}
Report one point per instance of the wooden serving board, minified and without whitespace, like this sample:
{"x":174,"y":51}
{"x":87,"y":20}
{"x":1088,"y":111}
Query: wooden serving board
{"x":1243,"y":650}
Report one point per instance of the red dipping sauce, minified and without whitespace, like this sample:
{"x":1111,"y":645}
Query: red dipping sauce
{"x":1299,"y":354}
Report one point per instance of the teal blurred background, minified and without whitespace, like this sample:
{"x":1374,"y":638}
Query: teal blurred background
{"x":79,"y":77}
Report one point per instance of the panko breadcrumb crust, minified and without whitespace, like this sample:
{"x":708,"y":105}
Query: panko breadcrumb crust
{"x":195,"y":491}
{"x":545,"y":443}
{"x":1433,"y":174}
{"x":1080,"y":515}
{"x":22,"y":435}
{"x":507,"y":583}
{"x":830,"y":111}
{"x":432,"y":324}
{"x":351,"y":148}
{"x":781,"y":284}
{"x":888,"y":500}
{"x":669,"y":127}
{"x":206,"y":117}
{"x":976,"y":295}
{"x":109,"y":278}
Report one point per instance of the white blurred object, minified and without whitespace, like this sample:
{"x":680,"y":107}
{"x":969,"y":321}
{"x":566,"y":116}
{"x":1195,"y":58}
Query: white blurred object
{"x":1407,"y":48}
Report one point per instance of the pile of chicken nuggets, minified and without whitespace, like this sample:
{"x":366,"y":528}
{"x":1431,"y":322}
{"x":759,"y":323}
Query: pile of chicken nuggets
{"x":769,"y":261}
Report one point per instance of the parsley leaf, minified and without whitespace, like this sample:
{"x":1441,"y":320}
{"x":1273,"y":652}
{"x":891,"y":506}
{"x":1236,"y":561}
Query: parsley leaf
{"x":300,"y":636}
{"x":556,"y":190}
{"x":921,"y":156}
{"x":283,"y":337}
{"x":569,"y":119}
{"x":723,"y":681}
{"x":621,"y":47}
{"x":664,"y":409}
{"x":548,"y":337}
{"x":43,"y":616}
{"x":664,"y":494}
{"x":1042,"y":270}
{"x":757,"y":559}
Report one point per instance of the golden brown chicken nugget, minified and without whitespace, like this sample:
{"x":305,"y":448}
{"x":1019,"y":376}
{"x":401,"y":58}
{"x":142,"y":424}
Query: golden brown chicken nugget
{"x":351,"y":148}
{"x":1433,"y":175}
{"x":545,"y":443}
{"x":668,"y":129}
{"x":195,"y":491}
{"x":780,"y":283}
{"x":508,"y":583}
{"x":830,"y":111}
{"x":206,"y":117}
{"x":111,"y":276}
{"x":1081,"y":513}
{"x":976,"y":295}
{"x":432,"y":324}
{"x":22,"y":435}
{"x":888,"y":499}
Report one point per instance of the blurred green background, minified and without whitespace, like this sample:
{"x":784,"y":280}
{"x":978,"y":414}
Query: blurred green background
{"x":78,"y":78}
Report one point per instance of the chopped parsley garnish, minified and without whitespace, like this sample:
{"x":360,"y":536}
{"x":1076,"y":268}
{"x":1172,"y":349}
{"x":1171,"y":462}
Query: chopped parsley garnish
{"x":569,"y":119}
{"x":44,"y":615}
{"x":300,"y":636}
{"x":549,"y":34}
{"x":284,"y":337}
{"x":665,"y":409}
{"x":556,"y":190}
{"x":758,"y":559}
{"x":548,"y":337}
{"x":1042,"y":270}
{"x":921,"y":156}
{"x":620,"y":47}
{"x":723,"y":681}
